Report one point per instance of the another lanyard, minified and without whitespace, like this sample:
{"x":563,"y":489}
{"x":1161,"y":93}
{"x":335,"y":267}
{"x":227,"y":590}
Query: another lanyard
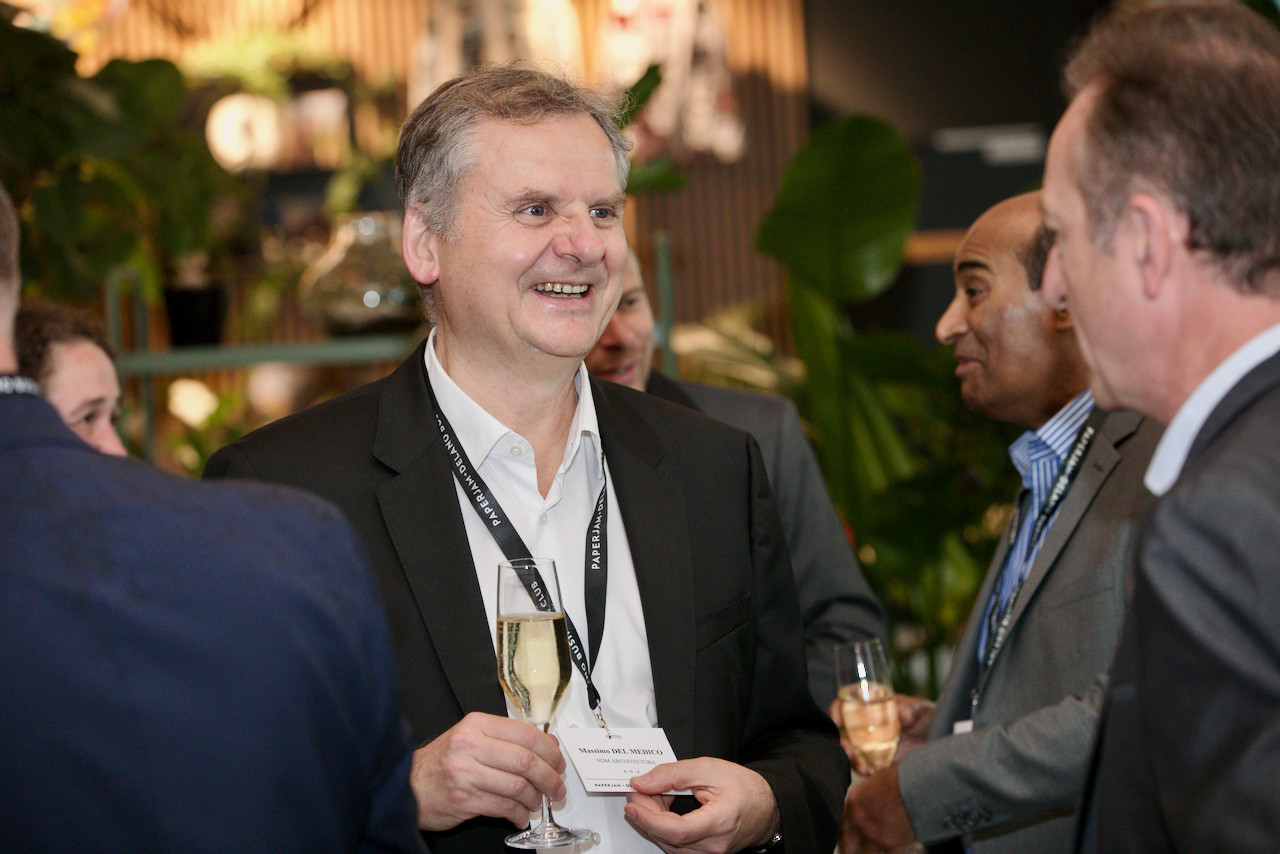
{"x":18,"y":384}
{"x":998,"y":620}
{"x":595,"y":584}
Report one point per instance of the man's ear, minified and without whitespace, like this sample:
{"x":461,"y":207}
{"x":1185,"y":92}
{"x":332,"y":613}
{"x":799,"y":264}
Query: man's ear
{"x":420,"y":247}
{"x":1154,"y":233}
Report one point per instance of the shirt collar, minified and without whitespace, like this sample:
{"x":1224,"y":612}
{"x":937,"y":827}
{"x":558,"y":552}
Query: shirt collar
{"x":1058,"y":433}
{"x":1171,"y":454}
{"x":479,"y":432}
{"x":1051,"y":442}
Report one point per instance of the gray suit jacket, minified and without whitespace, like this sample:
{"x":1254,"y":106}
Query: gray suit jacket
{"x":1188,"y":753}
{"x":716,"y":589}
{"x":1013,"y":781}
{"x":836,"y":603}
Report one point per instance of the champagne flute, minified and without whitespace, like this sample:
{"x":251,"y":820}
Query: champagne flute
{"x":868,"y":707}
{"x":534,"y":667}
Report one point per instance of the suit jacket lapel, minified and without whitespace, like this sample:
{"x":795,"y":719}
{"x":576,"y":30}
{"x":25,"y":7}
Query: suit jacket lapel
{"x":954,"y":704}
{"x":421,"y":511}
{"x":652,"y":505}
{"x":1252,"y":386}
{"x":1097,"y":465}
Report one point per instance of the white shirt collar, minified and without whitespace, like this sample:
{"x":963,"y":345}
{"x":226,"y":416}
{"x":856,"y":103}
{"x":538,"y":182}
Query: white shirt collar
{"x":1171,"y":454}
{"x":479,"y":432}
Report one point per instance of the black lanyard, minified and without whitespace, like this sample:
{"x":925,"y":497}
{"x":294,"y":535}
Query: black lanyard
{"x":504,"y":534}
{"x":998,"y":619}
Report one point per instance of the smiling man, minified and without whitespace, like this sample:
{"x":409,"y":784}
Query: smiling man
{"x":512,"y":182}
{"x":1009,"y":739}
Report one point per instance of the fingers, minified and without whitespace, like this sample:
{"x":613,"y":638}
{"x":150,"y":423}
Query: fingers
{"x":485,"y":765}
{"x":737,"y":809}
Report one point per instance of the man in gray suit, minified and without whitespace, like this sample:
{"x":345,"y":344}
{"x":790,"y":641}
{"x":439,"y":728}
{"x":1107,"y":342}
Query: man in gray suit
{"x":1161,"y":184}
{"x":1008,"y":741}
{"x":836,"y":603}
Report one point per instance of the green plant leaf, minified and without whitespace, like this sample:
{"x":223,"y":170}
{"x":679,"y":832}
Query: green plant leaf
{"x":639,"y":94}
{"x":660,"y":175}
{"x":845,"y":207}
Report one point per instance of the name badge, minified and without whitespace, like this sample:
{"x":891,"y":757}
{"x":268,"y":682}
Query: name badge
{"x":961,"y":727}
{"x":606,"y":761}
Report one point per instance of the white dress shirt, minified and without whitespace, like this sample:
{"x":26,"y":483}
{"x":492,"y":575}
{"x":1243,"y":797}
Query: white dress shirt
{"x":1171,"y":454}
{"x":556,"y":527}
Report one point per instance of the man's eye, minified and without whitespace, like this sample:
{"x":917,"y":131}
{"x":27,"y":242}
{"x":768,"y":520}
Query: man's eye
{"x":603,"y":213}
{"x":536,"y":210}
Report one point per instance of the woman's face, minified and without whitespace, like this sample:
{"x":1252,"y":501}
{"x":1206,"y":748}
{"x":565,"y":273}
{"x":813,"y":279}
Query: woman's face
{"x":81,"y":384}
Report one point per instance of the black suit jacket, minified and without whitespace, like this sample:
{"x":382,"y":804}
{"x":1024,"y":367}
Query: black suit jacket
{"x":1188,"y":753}
{"x":715,"y":583}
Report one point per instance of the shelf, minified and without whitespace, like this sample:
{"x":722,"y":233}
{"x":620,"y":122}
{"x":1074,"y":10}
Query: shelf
{"x":358,"y":349}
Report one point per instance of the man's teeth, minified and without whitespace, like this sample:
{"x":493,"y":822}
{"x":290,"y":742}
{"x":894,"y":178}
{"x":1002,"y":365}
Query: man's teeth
{"x":558,"y":288}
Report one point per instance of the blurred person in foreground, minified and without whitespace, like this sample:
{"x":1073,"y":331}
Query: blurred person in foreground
{"x":492,"y":440}
{"x":186,"y":667}
{"x":66,"y":351}
{"x":1008,"y":742}
{"x":1161,"y":186}
{"x":836,"y":603}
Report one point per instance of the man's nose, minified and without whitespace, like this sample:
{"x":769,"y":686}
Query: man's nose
{"x":582,"y":238}
{"x":615,"y":335}
{"x":954,"y":321}
{"x":107,"y":441}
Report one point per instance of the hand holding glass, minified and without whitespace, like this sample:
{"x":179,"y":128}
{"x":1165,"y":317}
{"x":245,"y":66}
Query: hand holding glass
{"x":868,"y":707}
{"x":534,"y":667}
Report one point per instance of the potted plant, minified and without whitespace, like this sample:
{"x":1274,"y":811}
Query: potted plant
{"x":915,"y":474}
{"x":109,"y":182}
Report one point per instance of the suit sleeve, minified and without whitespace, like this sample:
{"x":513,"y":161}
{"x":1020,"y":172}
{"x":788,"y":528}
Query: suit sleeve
{"x":371,"y":687}
{"x":229,"y":461}
{"x":836,"y":603}
{"x":962,"y":783}
{"x":788,"y":740}
{"x":1208,"y":654}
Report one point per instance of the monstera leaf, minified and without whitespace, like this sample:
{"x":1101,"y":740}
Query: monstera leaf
{"x":844,"y":210}
{"x":913,"y":472}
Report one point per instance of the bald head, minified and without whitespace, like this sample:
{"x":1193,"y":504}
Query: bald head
{"x":1017,"y":359}
{"x":10,"y":280}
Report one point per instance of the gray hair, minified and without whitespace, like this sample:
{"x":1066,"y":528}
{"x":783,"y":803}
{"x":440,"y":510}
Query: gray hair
{"x":1188,"y":107}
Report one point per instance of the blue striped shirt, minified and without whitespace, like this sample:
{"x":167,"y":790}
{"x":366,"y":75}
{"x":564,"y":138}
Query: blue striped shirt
{"x":1037,"y":455}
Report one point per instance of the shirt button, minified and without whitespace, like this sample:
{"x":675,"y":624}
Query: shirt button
{"x":516,"y":451}
{"x":543,"y":518}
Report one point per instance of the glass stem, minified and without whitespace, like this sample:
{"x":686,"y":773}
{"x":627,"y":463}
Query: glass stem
{"x":547,"y":823}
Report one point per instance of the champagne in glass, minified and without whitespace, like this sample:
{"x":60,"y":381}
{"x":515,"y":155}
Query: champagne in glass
{"x":868,"y":707}
{"x":534,"y":668}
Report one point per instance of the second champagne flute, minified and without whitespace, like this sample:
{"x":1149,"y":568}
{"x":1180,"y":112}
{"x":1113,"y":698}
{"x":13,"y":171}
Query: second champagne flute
{"x":868,"y":706}
{"x":534,"y":668}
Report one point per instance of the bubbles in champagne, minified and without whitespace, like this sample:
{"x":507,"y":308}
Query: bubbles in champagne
{"x":533,"y":662}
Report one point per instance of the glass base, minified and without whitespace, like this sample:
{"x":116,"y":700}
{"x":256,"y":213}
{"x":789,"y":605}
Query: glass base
{"x":554,"y":836}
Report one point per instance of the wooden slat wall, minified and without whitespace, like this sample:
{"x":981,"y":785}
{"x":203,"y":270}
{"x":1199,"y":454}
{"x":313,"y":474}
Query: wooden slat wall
{"x":711,"y":222}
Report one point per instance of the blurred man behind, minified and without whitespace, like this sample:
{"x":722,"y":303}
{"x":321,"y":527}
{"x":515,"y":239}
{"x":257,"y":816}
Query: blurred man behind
{"x":836,"y":603}
{"x":1009,"y":739}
